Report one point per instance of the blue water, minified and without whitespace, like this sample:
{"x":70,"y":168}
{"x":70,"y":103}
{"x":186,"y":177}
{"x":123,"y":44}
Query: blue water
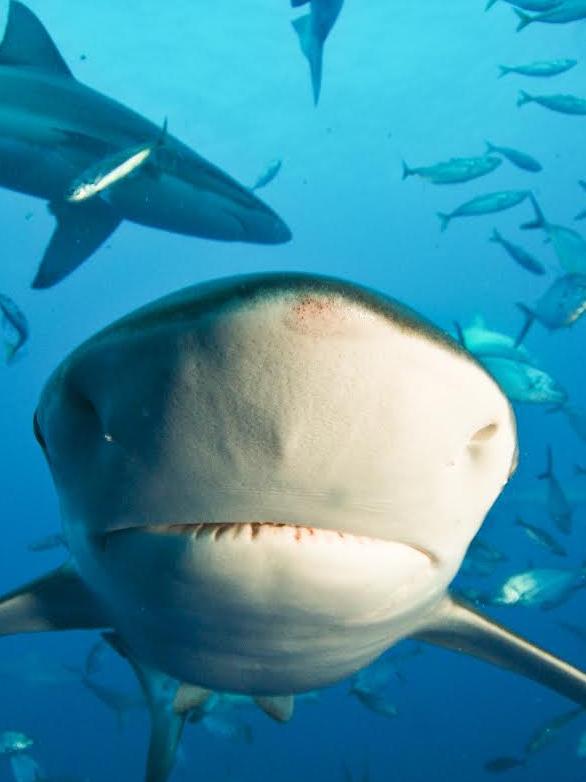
{"x":401,"y":80}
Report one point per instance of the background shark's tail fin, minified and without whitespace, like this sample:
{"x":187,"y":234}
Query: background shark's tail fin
{"x":81,"y":229}
{"x":312,"y":48}
{"x":454,"y":625}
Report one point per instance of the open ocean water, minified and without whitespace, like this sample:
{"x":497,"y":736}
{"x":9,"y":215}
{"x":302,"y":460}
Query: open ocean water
{"x":402,"y":81}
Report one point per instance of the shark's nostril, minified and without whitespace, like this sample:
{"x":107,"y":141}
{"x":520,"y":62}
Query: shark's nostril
{"x":486,"y":433}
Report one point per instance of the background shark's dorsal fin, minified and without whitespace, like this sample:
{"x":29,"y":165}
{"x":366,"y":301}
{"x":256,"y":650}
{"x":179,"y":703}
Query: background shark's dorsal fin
{"x":456,"y":626}
{"x":27,"y":43}
{"x":58,"y":601}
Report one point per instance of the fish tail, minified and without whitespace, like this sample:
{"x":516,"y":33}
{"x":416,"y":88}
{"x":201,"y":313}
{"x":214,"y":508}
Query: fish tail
{"x":460,"y":333}
{"x":407,"y":171}
{"x":524,"y":98}
{"x":548,"y":466}
{"x":524,"y":19}
{"x":529,"y":318}
{"x":162,"y":135}
{"x":503,"y":70}
{"x":313,"y":51}
{"x":539,"y":221}
{"x":444,"y":219}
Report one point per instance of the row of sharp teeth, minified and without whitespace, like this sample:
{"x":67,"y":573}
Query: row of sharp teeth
{"x":250,"y":530}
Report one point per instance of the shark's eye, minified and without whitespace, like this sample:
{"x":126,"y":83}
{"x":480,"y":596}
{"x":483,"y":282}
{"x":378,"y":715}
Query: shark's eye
{"x":38,"y":434}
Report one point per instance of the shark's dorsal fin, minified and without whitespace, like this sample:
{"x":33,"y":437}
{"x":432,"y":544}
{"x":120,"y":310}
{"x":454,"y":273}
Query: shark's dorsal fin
{"x":160,"y":692}
{"x":277,"y":707}
{"x":58,"y":601}
{"x":27,"y":43}
{"x":455,"y":625}
{"x":81,"y":229}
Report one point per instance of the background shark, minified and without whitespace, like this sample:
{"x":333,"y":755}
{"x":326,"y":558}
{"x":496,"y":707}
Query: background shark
{"x":265,"y":482}
{"x":52,"y":128}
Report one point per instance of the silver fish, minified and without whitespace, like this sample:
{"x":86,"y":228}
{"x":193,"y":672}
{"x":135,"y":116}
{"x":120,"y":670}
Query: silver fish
{"x":567,"y":11}
{"x":546,"y":733}
{"x":15,"y":327}
{"x":268,"y":174}
{"x":541,"y":537}
{"x":562,"y":305}
{"x":516,"y":157}
{"x":523,"y":382}
{"x":565,"y":104}
{"x":518,"y":254}
{"x":541,"y":68}
{"x":540,"y":587}
{"x":12,"y":741}
{"x":454,"y":170}
{"x":558,"y":507}
{"x":485,"y":204}
{"x":569,"y":246}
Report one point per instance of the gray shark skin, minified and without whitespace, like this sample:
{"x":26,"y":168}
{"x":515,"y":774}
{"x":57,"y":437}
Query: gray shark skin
{"x":266,"y":481}
{"x":53,"y":128}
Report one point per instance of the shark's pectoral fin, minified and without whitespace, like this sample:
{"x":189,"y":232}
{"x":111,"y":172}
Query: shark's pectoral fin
{"x":456,"y":626}
{"x":277,"y":707}
{"x":58,"y":601}
{"x":190,"y":697}
{"x":26,"y":42}
{"x":81,"y":229}
{"x":160,"y":692}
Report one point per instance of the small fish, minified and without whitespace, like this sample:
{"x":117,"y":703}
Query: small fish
{"x":542,"y":538}
{"x":12,"y":742}
{"x":542,"y":68}
{"x":485,"y":204}
{"x":569,"y":246}
{"x":545,"y":588}
{"x":562,"y":305}
{"x":377,"y":702}
{"x":112,"y":169}
{"x":564,"y":104}
{"x":48,"y":543}
{"x":502,"y":764}
{"x":312,"y":31}
{"x":480,"y":549}
{"x":518,"y":254}
{"x":268,"y":174}
{"x":558,"y":507}
{"x":455,"y":170}
{"x":484,"y":342}
{"x":545,"y":734}
{"x":522,"y":382}
{"x":520,"y":159}
{"x":15,"y":327}
{"x":568,"y":11}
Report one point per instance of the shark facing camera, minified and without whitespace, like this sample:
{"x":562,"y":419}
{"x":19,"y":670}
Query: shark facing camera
{"x":266,"y":481}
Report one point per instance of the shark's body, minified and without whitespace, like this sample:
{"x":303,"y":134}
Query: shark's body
{"x":53,"y":128}
{"x":265,"y":482}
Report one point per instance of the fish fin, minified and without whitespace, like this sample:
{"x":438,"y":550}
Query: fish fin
{"x":166,"y":725}
{"x":407,"y":171}
{"x":444,"y":219}
{"x":529,"y":318}
{"x":81,"y":229}
{"x":540,"y":221}
{"x":524,"y":19}
{"x":277,"y":707}
{"x":503,"y":70}
{"x":548,"y":473}
{"x":313,"y":51}
{"x":57,"y":601}
{"x":190,"y":697}
{"x":27,"y":43}
{"x":524,"y":98}
{"x":454,"y":625}
{"x":489,"y":5}
{"x":460,"y":334}
{"x":299,"y":3}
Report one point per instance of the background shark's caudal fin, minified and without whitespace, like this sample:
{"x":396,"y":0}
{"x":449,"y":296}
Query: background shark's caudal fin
{"x":160,"y":692}
{"x":456,"y":626}
{"x":26,"y":42}
{"x":312,"y":48}
{"x":81,"y":229}
{"x":57,"y":601}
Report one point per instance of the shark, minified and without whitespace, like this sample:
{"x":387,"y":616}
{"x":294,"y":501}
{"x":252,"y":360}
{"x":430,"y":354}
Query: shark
{"x":312,"y":31}
{"x":265,"y":482}
{"x":53,"y":129}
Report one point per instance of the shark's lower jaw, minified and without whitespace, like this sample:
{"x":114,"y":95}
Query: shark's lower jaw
{"x":260,"y":607}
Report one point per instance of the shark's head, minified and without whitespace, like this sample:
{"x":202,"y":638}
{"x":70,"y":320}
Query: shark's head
{"x":268,"y":479}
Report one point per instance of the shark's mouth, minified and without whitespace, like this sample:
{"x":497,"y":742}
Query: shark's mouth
{"x":264,"y":531}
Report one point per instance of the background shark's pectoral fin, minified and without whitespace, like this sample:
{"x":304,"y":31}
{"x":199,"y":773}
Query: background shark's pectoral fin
{"x":160,"y":692}
{"x":26,"y":42}
{"x":456,"y":626}
{"x":57,"y":601}
{"x":81,"y":229}
{"x":277,"y":707}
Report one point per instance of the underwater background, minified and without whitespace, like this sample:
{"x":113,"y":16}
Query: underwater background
{"x":403,"y":80}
